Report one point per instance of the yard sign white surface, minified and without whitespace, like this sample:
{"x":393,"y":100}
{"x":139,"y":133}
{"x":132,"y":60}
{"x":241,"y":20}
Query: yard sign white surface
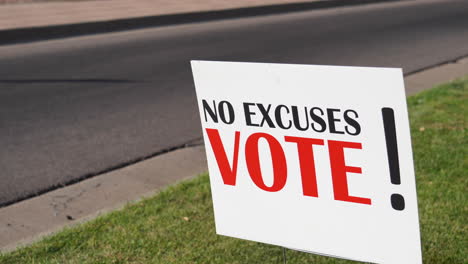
{"x":313,"y":158}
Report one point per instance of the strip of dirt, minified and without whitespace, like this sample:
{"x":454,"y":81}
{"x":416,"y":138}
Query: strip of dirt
{"x":7,"y":2}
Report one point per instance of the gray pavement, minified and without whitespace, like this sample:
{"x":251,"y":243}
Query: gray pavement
{"x":78,"y":107}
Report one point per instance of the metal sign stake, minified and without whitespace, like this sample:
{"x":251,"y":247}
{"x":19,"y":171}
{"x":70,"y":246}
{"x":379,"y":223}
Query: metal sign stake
{"x":284,"y":255}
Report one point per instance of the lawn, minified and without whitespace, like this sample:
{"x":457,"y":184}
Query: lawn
{"x":177,"y":226}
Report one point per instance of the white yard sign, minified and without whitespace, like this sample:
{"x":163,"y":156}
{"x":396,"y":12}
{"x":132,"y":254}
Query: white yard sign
{"x":313,"y":158}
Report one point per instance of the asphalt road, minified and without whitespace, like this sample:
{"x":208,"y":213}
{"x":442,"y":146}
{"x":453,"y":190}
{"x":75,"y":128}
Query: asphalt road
{"x":75,"y":107}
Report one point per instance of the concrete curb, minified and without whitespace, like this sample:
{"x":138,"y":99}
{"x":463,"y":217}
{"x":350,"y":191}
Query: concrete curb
{"x":30,"y":220}
{"x":425,"y":79}
{"x":21,"y":35}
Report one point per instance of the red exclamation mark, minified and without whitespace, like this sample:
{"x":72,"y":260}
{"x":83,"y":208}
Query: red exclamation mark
{"x":388,"y":116}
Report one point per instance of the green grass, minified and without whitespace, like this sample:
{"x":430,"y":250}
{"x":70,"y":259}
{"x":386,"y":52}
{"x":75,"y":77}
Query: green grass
{"x":176,"y":225}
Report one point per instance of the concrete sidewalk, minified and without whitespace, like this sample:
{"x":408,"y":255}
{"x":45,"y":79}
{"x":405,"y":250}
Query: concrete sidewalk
{"x":48,"y":20}
{"x":28,"y":15}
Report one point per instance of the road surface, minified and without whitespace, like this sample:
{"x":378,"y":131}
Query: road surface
{"x":76,"y":107}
